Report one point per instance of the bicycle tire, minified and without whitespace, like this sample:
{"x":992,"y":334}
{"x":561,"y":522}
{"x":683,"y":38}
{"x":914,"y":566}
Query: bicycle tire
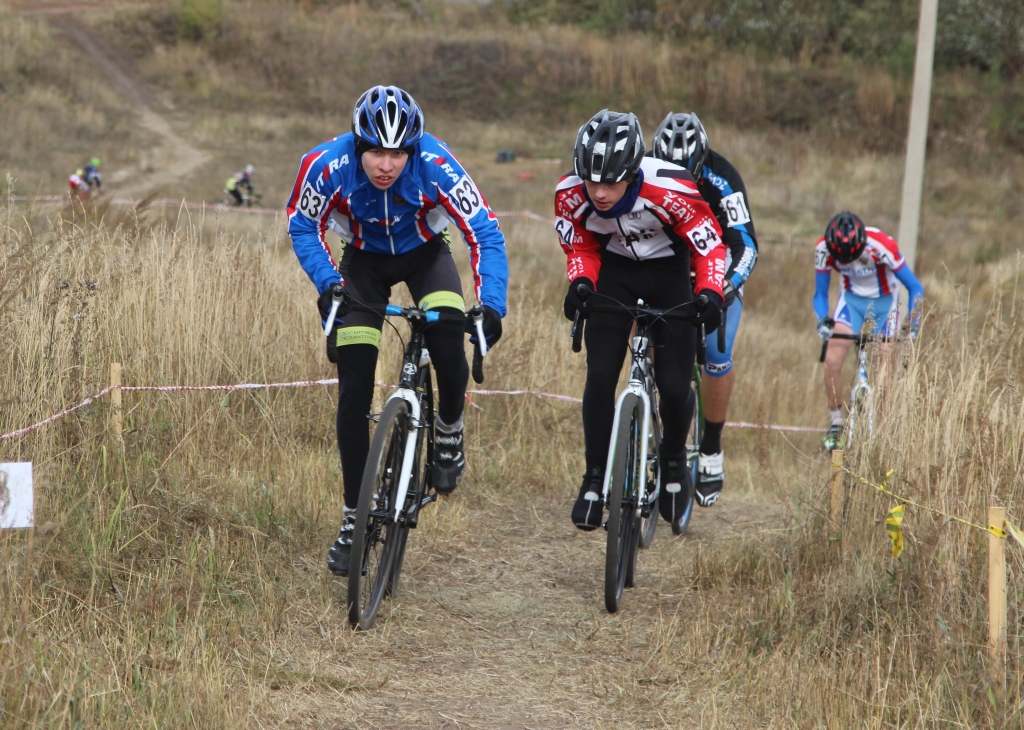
{"x":376,"y":536}
{"x":682,"y":525}
{"x":623,"y":520}
{"x":420,"y":480}
{"x":649,"y":523}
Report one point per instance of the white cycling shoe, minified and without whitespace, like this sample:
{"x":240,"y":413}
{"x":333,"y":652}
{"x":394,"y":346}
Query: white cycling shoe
{"x":710,"y":477}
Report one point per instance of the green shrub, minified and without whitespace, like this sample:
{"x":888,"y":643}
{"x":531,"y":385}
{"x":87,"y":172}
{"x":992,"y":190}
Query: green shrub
{"x":199,"y":19}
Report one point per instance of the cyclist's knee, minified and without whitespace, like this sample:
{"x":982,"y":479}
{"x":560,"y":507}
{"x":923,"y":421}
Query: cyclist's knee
{"x":719,"y":367}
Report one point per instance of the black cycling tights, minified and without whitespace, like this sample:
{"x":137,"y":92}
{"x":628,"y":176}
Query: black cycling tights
{"x":356,"y":366}
{"x":661,"y":283}
{"x":369,"y":277}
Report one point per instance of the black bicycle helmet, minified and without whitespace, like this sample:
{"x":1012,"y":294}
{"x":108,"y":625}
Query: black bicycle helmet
{"x":609,"y":148}
{"x":681,"y":139}
{"x":845,"y":237}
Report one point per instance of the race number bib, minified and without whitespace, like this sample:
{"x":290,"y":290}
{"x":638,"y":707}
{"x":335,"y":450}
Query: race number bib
{"x":466,"y":197}
{"x":735,"y":207}
{"x":311,"y":203}
{"x":565,"y":231}
{"x":821,"y":258}
{"x":704,"y":237}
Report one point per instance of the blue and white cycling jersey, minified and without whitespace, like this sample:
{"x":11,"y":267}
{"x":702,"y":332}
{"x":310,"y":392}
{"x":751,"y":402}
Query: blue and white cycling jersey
{"x":432,"y":189}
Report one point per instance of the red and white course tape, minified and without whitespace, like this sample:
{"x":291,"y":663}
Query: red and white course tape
{"x":328,"y":381}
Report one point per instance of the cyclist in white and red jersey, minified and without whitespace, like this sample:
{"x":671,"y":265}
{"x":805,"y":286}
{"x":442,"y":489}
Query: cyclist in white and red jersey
{"x":629,"y":226}
{"x":870,"y":264}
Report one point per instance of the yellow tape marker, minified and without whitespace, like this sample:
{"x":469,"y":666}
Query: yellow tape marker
{"x":1012,"y":529}
{"x":893,"y":525}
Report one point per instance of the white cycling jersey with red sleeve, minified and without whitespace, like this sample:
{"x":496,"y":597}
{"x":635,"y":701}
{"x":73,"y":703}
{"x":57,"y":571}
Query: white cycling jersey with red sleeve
{"x":668,"y":218}
{"x":873,"y":273}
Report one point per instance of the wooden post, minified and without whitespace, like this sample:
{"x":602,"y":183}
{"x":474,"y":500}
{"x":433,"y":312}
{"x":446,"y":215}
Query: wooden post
{"x":115,"y":399}
{"x":836,"y":496}
{"x":997,"y":597}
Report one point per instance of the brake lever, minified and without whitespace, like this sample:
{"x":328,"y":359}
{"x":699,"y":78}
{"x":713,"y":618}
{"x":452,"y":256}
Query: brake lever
{"x":337,"y":296}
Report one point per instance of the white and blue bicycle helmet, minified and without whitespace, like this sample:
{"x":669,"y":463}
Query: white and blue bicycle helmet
{"x":388,"y":118}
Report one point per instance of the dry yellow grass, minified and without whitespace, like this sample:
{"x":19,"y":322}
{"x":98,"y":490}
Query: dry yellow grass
{"x":181,"y":582}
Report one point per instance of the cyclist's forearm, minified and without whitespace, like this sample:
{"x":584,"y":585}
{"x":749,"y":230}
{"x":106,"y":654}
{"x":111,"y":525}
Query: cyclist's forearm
{"x":915,"y":293}
{"x":743,"y":249}
{"x":822,"y":280}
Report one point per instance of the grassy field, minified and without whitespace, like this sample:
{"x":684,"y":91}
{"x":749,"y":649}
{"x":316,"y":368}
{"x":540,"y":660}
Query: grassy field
{"x":179,"y":582}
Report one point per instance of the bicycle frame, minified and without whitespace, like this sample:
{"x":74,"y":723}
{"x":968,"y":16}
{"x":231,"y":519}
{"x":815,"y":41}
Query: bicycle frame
{"x":861,"y":384}
{"x":637,"y":385}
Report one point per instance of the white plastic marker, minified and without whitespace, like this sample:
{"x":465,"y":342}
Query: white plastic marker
{"x":16,"y":502}
{"x":336,"y":294}
{"x":478,"y":320}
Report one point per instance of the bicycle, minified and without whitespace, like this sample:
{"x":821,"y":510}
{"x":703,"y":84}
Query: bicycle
{"x":861,"y":394}
{"x":396,"y":481}
{"x":632,"y":465}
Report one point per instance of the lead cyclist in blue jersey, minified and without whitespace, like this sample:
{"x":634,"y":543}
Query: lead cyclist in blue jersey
{"x":681,"y":139}
{"x":391,"y":189}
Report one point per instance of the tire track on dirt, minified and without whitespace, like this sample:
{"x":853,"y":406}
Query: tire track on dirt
{"x":180,"y":157}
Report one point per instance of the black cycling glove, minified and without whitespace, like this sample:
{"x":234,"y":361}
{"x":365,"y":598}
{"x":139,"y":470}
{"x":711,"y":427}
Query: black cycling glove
{"x":729,"y":292}
{"x":711,"y":317}
{"x":491,"y":324}
{"x":573,"y":302}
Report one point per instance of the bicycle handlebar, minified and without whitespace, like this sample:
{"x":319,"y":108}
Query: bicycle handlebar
{"x":411,"y":313}
{"x":685,"y":312}
{"x":861,"y":340}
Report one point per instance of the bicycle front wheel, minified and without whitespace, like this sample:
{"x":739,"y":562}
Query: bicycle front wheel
{"x":649,"y":512}
{"x":623,"y":515}
{"x":377,"y":538}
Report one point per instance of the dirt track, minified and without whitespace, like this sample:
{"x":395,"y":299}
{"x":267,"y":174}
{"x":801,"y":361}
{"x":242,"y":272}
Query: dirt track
{"x":175,"y":158}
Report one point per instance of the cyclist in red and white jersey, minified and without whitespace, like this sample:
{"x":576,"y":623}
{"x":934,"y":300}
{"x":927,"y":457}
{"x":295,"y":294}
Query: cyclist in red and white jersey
{"x":629,"y":226}
{"x":870,"y":264}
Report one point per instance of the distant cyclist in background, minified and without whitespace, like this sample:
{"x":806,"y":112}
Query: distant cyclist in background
{"x":91,"y":174}
{"x":390,"y":189}
{"x":78,"y":188}
{"x":631,"y":228}
{"x":681,"y":139}
{"x":239,"y":187}
{"x":869,"y":263}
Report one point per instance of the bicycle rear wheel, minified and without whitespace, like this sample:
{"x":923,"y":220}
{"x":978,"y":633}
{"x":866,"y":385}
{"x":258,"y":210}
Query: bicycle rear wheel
{"x":377,"y":538}
{"x":692,"y":456}
{"x":623,"y":516}
{"x":649,"y":522}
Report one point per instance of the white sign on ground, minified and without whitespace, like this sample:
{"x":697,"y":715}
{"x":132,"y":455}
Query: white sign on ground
{"x":16,"y":494}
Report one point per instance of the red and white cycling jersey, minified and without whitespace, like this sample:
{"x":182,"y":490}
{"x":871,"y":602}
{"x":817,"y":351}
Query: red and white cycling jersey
{"x":668,"y":216}
{"x":870,"y":275}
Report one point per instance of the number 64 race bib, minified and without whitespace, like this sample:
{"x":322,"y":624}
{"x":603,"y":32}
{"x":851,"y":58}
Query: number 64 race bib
{"x":704,"y":237}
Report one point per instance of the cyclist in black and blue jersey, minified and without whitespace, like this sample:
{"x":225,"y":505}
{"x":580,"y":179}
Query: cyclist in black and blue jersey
{"x":391,"y":189}
{"x":681,"y":139}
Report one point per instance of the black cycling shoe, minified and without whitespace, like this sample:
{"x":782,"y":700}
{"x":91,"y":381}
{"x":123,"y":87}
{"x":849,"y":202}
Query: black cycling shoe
{"x":337,"y":556}
{"x":674,"y":499}
{"x":588,"y":512}
{"x":449,"y":461}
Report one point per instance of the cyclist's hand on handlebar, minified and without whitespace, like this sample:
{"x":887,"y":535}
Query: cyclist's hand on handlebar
{"x":711,"y":315}
{"x":492,"y":327}
{"x":324,"y":302}
{"x":826,"y":326}
{"x":729,"y":291}
{"x":574,"y":301}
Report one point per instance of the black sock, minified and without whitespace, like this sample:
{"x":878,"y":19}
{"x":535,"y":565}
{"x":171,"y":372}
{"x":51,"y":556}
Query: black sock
{"x":711,"y":440}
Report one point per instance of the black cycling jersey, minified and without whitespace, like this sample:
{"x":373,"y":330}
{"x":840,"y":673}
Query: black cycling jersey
{"x":722,"y":187}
